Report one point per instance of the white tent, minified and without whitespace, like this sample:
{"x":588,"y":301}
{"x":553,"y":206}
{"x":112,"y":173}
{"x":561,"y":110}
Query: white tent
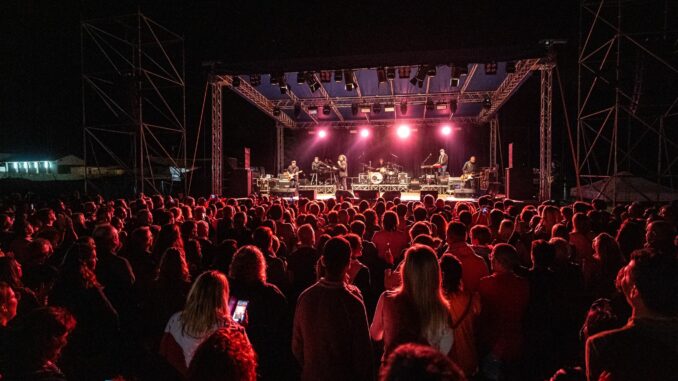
{"x":71,"y":160}
{"x":628,"y":188}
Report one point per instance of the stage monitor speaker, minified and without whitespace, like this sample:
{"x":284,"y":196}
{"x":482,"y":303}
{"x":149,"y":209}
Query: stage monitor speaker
{"x":240,"y":184}
{"x":520,"y":184}
{"x":310,"y":194}
{"x":391,"y":195}
{"x":423,"y":193}
{"x":343,"y":195}
{"x":283,"y":192}
{"x":369,"y":195}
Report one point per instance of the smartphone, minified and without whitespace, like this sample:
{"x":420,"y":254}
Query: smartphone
{"x":240,"y":310}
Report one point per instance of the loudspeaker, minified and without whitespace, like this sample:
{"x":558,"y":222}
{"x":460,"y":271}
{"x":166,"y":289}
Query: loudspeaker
{"x":310,"y":194}
{"x":390,"y":195}
{"x":423,"y":194}
{"x":343,"y":194}
{"x":283,"y":192}
{"x":370,"y":195}
{"x":240,"y":184}
{"x":520,"y":184}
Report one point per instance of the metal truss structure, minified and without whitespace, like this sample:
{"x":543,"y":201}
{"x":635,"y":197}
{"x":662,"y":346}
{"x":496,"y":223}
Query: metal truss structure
{"x":133,"y":99}
{"x":275,"y":109}
{"x":545,"y":131}
{"x":627,"y":93}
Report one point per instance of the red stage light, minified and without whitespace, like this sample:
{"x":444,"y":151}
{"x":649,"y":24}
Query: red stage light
{"x":364,"y":133}
{"x":446,"y":130}
{"x":322,"y":134}
{"x":403,"y":131}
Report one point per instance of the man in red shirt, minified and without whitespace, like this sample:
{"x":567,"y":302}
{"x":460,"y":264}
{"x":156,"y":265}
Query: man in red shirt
{"x":504,"y":297}
{"x":473,"y":266}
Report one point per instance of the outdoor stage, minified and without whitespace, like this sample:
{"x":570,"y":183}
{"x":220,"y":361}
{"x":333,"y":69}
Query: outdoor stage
{"x":410,"y":196}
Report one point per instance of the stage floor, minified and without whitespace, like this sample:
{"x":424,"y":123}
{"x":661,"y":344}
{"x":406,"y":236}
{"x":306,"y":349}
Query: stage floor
{"x":406,"y":196}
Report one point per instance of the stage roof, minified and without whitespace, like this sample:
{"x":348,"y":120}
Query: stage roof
{"x":475,"y":90}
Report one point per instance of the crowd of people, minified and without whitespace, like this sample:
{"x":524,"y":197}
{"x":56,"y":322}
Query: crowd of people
{"x":164,"y":288}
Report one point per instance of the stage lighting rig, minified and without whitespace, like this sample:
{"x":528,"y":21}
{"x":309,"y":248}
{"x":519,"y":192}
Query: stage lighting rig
{"x":301,"y":78}
{"x":325,"y":76}
{"x":313,"y":110}
{"x":455,"y":76}
{"x":491,"y":68}
{"x":276,"y":111}
{"x":510,"y":67}
{"x":453,"y":106}
{"x":313,"y":84}
{"x":389,"y":107}
{"x":487,"y":102}
{"x":404,"y":72}
{"x":349,"y":81}
{"x":403,"y":108}
{"x":338,"y":77}
{"x":284,"y":88}
{"x":376,"y":108}
{"x":354,"y":109}
{"x":365,"y":109}
{"x":429,"y":105}
{"x":381,"y":75}
{"x":390,"y":73}
{"x":255,"y":79}
{"x":297,"y":110}
{"x":277,"y":78}
{"x":431,"y":70}
{"x":441,"y":106}
{"x":326,"y":110}
{"x":236,"y":81}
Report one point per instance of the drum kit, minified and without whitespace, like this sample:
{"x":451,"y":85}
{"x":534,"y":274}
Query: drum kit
{"x":386,"y":173}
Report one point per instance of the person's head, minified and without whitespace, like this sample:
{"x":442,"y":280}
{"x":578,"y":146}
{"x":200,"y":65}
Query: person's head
{"x":660,"y":236}
{"x":203,"y":229}
{"x":456,"y":232}
{"x":336,"y":257}
{"x":142,"y":238}
{"x":581,"y":223}
{"x":8,"y":303}
{"x":294,"y":163}
{"x":263,"y":238}
{"x":357,"y":227}
{"x":481,"y":235}
{"x":79,"y":265}
{"x":419,"y":362}
{"x":472,"y":159}
{"x":550,"y":216}
{"x":451,"y":270}
{"x":106,"y":238}
{"x":506,"y":229}
{"x":600,"y":317}
{"x":419,"y":228}
{"x":504,"y":258}
{"x":390,"y":221}
{"x":421,"y":285}
{"x":560,"y":230}
{"x":562,"y":250}
{"x":173,"y":266}
{"x":419,"y":213}
{"x":226,"y":354}
{"x":607,"y":251}
{"x":650,"y":283}
{"x":306,"y":235}
{"x":442,"y":151}
{"x":206,"y":304}
{"x":316,"y":159}
{"x":356,"y":244}
{"x":542,"y":253}
{"x":11,"y":272}
{"x":38,"y":339}
{"x":248,"y":265}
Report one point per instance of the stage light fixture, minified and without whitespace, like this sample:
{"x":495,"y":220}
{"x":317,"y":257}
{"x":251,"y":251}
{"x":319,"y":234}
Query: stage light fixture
{"x":276,"y":111}
{"x":446,"y":129}
{"x":301,"y":78}
{"x":403,"y":131}
{"x":431,"y":70}
{"x":390,"y":73}
{"x":365,"y":109}
{"x":491,"y":68}
{"x":487,"y":102}
{"x":284,"y":88}
{"x":313,"y":110}
{"x":326,"y":110}
{"x":325,"y":76}
{"x":277,"y":78}
{"x":236,"y":81}
{"x":313,"y":84}
{"x":255,"y":79}
{"x":376,"y":108}
{"x":354,"y":109}
{"x":403,"y":108}
{"x":364,"y":132}
{"x":349,"y":81}
{"x":322,"y":134}
{"x":441,"y":106}
{"x":338,"y":77}
{"x":414,"y":81}
{"x":389,"y":107}
{"x":453,"y":106}
{"x":463,"y":69}
{"x":510,"y":67}
{"x":381,"y":75}
{"x":404,"y":72}
{"x":455,"y":75}
{"x":429,"y":105}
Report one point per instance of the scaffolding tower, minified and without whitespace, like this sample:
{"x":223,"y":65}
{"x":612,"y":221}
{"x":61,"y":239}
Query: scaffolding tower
{"x":133,"y":100}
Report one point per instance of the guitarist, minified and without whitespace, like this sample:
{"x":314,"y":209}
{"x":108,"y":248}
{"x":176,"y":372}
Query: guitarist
{"x":469,"y":171}
{"x":441,"y":164}
{"x":293,"y":171}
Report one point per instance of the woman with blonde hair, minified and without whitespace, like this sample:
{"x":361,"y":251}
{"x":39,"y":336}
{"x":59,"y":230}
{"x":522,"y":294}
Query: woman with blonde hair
{"x":206,"y":311}
{"x":550,"y":215}
{"x":417,"y":311}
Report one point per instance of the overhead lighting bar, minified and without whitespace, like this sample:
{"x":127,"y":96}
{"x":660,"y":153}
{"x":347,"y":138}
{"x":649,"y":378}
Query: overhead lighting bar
{"x":389,"y":107}
{"x":441,"y":106}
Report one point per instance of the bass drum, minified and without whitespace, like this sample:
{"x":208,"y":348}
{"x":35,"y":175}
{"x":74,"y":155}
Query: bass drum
{"x":376,"y":178}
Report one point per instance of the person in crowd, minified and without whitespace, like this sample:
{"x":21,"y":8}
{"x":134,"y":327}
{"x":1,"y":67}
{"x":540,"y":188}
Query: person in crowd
{"x":504,"y":297}
{"x":602,"y":270}
{"x":206,"y":311}
{"x":11,"y":273}
{"x":581,"y":238}
{"x":413,"y":361}
{"x":645,"y":348}
{"x":301,"y":262}
{"x":169,"y":236}
{"x":276,"y":268}
{"x":331,"y":338}
{"x":358,"y":273}
{"x":267,"y":322}
{"x":464,"y":308}
{"x":34,"y":347}
{"x":550,"y":215}
{"x":239,"y":232}
{"x":390,"y":242}
{"x":660,"y":238}
{"x":630,"y":237}
{"x":417,"y":311}
{"x":474,"y":266}
{"x":481,"y":242}
{"x":138,"y":253}
{"x":225,"y":355}
{"x":113,"y":271}
{"x":8,"y":304}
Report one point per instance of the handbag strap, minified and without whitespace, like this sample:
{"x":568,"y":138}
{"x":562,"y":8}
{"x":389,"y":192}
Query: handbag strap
{"x":466,"y":311}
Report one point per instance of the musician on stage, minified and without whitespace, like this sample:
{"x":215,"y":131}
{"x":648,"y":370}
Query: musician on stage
{"x":469,"y":173}
{"x":342,"y":164}
{"x":316,"y":165}
{"x":442,"y":162}
{"x":293,"y":171}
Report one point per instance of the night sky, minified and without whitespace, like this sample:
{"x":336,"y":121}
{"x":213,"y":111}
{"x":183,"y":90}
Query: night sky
{"x":41,"y":97}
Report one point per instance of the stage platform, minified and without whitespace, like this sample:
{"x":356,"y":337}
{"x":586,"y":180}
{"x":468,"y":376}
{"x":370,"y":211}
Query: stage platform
{"x":404,"y":196}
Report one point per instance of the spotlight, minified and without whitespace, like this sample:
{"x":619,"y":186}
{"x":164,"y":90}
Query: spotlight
{"x":381,"y":75}
{"x":312,"y":82}
{"x":326,"y":110}
{"x":487,"y":102}
{"x":313,"y":110}
{"x":414,"y":81}
{"x":297,"y":110}
{"x":365,"y":109}
{"x":403,"y":131}
{"x":455,"y":75}
{"x":389,"y":107}
{"x":463,"y":69}
{"x":403,"y":107}
{"x":441,"y":106}
{"x":376,"y":108}
{"x":350,"y":86}
{"x":453,"y":106}
{"x":277,"y":78}
{"x":446,"y":130}
{"x":404,"y":72}
{"x":390,"y":73}
{"x":491,"y":68}
{"x":510,"y":67}
{"x":276,"y":111}
{"x":236,"y":81}
{"x":301,"y":78}
{"x":338,"y":77}
{"x":431,"y":70}
{"x":325,"y":76}
{"x":349,"y":80}
{"x":364,"y":133}
{"x":255,"y":79}
{"x":284,"y":88}
{"x":322,"y":134}
{"x":354,"y":109}
{"x":429,"y":105}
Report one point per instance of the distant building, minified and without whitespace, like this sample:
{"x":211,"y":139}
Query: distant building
{"x":67,"y":168}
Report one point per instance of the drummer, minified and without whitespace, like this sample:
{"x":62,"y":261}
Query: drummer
{"x":382,"y":166}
